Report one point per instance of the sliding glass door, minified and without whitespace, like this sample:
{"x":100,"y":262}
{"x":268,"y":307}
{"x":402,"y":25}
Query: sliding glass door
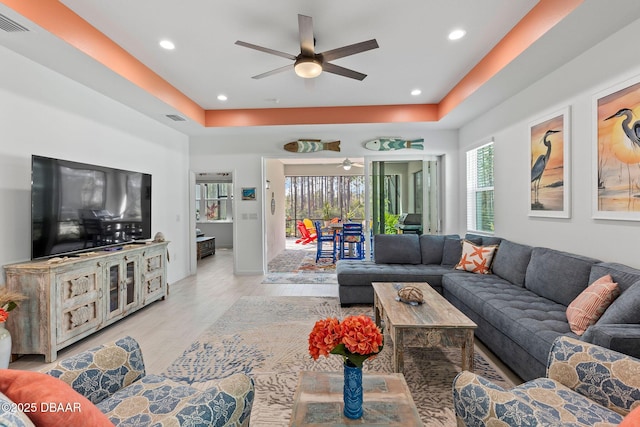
{"x":399,"y":187}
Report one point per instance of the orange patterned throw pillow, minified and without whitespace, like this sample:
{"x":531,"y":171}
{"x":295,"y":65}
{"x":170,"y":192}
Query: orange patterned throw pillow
{"x":475,"y":258}
{"x":587,"y":308}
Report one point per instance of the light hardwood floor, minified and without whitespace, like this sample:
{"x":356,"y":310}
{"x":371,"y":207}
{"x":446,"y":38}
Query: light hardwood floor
{"x":164,"y":329}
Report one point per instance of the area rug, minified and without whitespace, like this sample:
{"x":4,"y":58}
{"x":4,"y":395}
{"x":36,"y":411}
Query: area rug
{"x":301,"y":278}
{"x":266,"y":338}
{"x":299,"y":266}
{"x":295,"y":261}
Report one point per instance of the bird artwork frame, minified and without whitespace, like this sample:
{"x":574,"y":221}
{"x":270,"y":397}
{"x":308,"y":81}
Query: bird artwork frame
{"x":616,"y":152}
{"x":550,"y":150}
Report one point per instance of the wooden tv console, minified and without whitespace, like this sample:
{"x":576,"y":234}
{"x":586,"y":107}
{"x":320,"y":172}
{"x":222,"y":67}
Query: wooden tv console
{"x":69,"y":298}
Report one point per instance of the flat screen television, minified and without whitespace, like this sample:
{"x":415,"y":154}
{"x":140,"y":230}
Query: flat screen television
{"x":79,"y":207}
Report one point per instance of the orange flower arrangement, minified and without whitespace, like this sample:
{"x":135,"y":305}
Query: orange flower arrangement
{"x":8,"y":301}
{"x":356,"y":339}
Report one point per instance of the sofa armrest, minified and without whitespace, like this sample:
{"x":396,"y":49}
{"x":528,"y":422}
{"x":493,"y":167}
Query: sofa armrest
{"x":623,"y":338}
{"x":101,"y":371}
{"x":478,"y":402}
{"x":605,"y":376}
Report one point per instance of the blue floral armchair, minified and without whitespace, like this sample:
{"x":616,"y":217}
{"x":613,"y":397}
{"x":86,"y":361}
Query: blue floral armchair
{"x":586,"y":385}
{"x":113,"y":377}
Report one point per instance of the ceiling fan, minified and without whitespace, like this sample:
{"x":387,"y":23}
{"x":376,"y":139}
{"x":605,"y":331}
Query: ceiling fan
{"x":309,"y":64}
{"x":348,"y":164}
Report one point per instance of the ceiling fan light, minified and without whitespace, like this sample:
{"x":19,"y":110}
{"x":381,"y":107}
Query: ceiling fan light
{"x":346,"y":165}
{"x":307,"y":68}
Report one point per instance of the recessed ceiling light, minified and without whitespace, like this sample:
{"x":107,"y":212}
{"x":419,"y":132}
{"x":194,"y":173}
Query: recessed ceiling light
{"x":222,"y":97}
{"x":416,"y":92}
{"x":167,"y":44}
{"x":457,"y":34}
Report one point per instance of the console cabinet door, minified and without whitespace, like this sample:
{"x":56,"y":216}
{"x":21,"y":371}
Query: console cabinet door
{"x":153,"y":265}
{"x":131,"y":283}
{"x":123,"y":285}
{"x":79,"y":300}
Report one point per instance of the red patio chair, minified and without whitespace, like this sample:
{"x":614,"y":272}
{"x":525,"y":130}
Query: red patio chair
{"x":305,"y":235}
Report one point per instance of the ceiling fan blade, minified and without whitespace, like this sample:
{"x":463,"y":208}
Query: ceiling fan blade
{"x":341,"y":71}
{"x":272,"y":72}
{"x":305,"y":28}
{"x":352,"y":49}
{"x":266,"y":50}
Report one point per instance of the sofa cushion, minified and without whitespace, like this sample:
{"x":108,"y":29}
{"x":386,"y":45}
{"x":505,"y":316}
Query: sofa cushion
{"x":511,"y":261}
{"x":560,"y":403}
{"x":432,"y":247}
{"x":587,"y":308}
{"x":397,"y":249}
{"x":451,"y":251}
{"x":625,"y":309}
{"x":363,"y":273}
{"x":623,"y":275}
{"x":531,"y":322}
{"x":479,"y":239}
{"x":556,"y":275}
{"x":155,"y":400}
{"x":50,"y":401}
{"x":623,"y":338}
{"x":475,"y":258}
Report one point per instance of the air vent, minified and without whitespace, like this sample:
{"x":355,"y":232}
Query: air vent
{"x":10,"y":26}
{"x":176,"y":118}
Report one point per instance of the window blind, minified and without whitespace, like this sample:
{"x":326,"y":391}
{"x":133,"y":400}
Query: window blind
{"x":480,"y":205}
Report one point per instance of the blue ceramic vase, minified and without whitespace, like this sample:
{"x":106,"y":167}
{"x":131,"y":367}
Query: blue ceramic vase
{"x":352,"y":393}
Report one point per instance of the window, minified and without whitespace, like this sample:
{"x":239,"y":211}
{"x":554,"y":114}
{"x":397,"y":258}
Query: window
{"x":214,"y":201}
{"x":480,"y":189}
{"x":323,"y":197}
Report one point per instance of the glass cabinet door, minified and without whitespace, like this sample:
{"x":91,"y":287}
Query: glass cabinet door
{"x":130,"y":283}
{"x":114,"y":289}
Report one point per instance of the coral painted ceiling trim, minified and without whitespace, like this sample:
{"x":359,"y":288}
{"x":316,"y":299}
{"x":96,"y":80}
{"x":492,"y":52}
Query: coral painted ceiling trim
{"x":323,"y":115}
{"x":59,"y":20}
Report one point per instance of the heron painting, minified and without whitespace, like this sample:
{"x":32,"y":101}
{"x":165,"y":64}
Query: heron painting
{"x":617,"y":181}
{"x":549,"y":168}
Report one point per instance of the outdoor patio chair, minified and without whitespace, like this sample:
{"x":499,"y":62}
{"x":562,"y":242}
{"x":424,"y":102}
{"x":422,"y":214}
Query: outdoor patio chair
{"x":305,"y":235}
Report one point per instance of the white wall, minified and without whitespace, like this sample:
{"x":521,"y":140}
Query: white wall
{"x":275,"y":223}
{"x":47,"y":114}
{"x":574,"y":84}
{"x":220,"y":151}
{"x":222,"y":231}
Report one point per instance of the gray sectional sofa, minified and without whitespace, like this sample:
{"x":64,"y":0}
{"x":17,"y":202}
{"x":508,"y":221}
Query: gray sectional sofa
{"x":520,"y":308}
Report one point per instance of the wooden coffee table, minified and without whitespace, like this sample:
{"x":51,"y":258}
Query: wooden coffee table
{"x":387,"y":401}
{"x":436,"y":323}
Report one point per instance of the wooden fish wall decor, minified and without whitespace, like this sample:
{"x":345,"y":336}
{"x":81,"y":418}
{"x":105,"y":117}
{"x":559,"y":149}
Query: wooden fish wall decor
{"x":390,"y":144}
{"x":311,"y":145}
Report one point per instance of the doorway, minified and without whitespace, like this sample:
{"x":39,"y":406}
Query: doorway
{"x":400,"y":187}
{"x":213,"y":212}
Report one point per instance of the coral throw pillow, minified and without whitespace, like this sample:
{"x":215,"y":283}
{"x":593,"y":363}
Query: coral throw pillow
{"x":631,"y":420}
{"x":48,"y":401}
{"x":476,"y":258}
{"x":587,"y":308}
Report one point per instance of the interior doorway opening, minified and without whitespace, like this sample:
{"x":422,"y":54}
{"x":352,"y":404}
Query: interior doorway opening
{"x":403,"y":189}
